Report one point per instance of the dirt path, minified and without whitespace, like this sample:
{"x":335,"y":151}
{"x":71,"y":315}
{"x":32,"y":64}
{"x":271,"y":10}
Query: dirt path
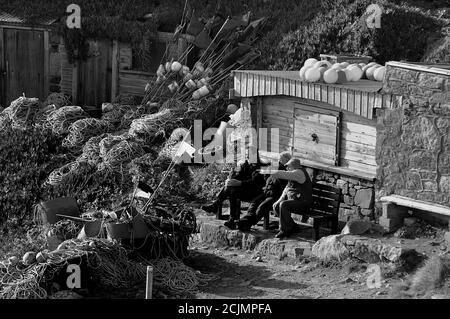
{"x":240,"y":275}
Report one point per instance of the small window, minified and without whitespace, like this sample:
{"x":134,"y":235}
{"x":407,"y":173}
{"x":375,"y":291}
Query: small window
{"x":316,"y":134}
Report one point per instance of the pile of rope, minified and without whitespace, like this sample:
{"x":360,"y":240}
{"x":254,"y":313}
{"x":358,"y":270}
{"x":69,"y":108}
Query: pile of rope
{"x":58,"y":100}
{"x":115,"y":116}
{"x":147,"y":127}
{"x":91,"y":150}
{"x":82,"y":130}
{"x":61,"y":119}
{"x":121,"y":153}
{"x":65,"y":229}
{"x":108,"y":142}
{"x":23,"y":111}
{"x":132,"y":113}
{"x":58,"y":175}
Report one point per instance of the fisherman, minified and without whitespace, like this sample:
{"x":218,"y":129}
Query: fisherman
{"x":262,"y":205}
{"x":297,"y":196}
{"x":245,"y":183}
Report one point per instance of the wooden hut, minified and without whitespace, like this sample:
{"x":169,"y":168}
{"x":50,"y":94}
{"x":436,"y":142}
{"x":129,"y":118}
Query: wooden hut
{"x":331,"y":128}
{"x":25,"y":58}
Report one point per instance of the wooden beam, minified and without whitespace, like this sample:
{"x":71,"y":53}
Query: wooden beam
{"x":75,"y":82}
{"x":417,"y":204}
{"x":46,"y":64}
{"x":2,"y":69}
{"x":115,"y":69}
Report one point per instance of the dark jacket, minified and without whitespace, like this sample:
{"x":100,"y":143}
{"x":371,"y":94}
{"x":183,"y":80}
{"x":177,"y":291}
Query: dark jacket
{"x":275,"y":186}
{"x":250,"y":177}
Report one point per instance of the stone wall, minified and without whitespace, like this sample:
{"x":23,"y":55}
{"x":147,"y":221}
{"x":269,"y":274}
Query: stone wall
{"x":358,"y":195}
{"x":413,"y":142}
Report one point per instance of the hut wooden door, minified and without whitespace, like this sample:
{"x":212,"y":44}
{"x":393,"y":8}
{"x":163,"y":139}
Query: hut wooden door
{"x":23,"y":64}
{"x":316,"y":134}
{"x":94,"y":75}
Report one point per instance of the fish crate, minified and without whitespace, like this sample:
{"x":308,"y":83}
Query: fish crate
{"x":338,"y":58}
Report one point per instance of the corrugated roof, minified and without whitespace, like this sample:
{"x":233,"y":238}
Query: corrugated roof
{"x":9,"y":18}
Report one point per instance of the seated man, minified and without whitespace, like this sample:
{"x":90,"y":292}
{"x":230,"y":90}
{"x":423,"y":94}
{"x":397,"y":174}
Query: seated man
{"x":244,"y":184}
{"x":297,"y":196}
{"x":262,"y":205}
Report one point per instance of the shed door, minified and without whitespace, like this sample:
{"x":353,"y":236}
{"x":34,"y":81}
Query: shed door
{"x":23,"y":64}
{"x":316,"y":133}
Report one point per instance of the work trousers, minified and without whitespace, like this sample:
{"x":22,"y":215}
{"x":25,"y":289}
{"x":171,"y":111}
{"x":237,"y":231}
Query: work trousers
{"x":233,"y":194}
{"x":259,"y":208}
{"x":285,"y":208}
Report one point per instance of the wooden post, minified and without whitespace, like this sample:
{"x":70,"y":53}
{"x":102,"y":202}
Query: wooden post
{"x":149,"y":286}
{"x":46,"y":64}
{"x":2,"y":69}
{"x":75,"y":82}
{"x":115,"y":70}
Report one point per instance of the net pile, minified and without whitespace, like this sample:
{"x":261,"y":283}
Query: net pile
{"x":60,"y":174}
{"x":120,"y":154}
{"x":107,"y":143}
{"x":23,"y":111}
{"x":135,"y":112}
{"x":147,"y":127}
{"x":91,"y":150}
{"x":60,"y":120}
{"x":58,"y":100}
{"x":115,"y":116}
{"x":82,"y":130}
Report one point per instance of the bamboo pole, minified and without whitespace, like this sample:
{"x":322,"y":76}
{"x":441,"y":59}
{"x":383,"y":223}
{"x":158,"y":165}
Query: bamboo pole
{"x":149,"y":283}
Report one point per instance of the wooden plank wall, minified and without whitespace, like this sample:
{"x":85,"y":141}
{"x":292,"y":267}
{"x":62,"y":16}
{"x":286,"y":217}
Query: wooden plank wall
{"x":357,"y":135}
{"x":66,"y":71}
{"x":133,"y":82}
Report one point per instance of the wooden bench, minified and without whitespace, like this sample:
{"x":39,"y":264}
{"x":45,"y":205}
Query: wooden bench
{"x":395,"y":208}
{"x":325,"y":208}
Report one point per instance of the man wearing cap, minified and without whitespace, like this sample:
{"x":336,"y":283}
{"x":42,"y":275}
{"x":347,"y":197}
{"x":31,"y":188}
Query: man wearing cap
{"x":262,"y":205}
{"x":297,"y":196}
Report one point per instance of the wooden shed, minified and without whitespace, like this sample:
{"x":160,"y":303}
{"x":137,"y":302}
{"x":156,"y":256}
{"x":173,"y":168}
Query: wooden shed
{"x":24,"y":58}
{"x":331,"y":128}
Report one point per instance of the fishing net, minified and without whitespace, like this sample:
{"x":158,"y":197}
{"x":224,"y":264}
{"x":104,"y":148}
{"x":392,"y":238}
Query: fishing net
{"x":58,"y":175}
{"x":60,"y":120}
{"x":91,"y":150}
{"x":58,"y":100}
{"x":82,"y":130}
{"x":23,"y":111}
{"x":107,"y":143}
{"x":120,"y":154}
{"x":131,"y":114}
{"x":147,"y":127}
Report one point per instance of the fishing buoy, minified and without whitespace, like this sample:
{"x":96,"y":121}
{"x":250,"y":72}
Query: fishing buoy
{"x":302,"y":72}
{"x":168,"y":66}
{"x":345,"y":64}
{"x":312,"y":75}
{"x":187,"y":77}
{"x":330,"y":76}
{"x":176,"y":66}
{"x":204,"y":91}
{"x":191,"y":84}
{"x":147,"y":87}
{"x":160,"y":79}
{"x":370,"y":71}
{"x":199,"y":66}
{"x":173,"y":87}
{"x":354,"y":73}
{"x":310,"y":62}
{"x":185,"y":70}
{"x":379,"y":74}
{"x":336,"y":66}
{"x":161,"y":70}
